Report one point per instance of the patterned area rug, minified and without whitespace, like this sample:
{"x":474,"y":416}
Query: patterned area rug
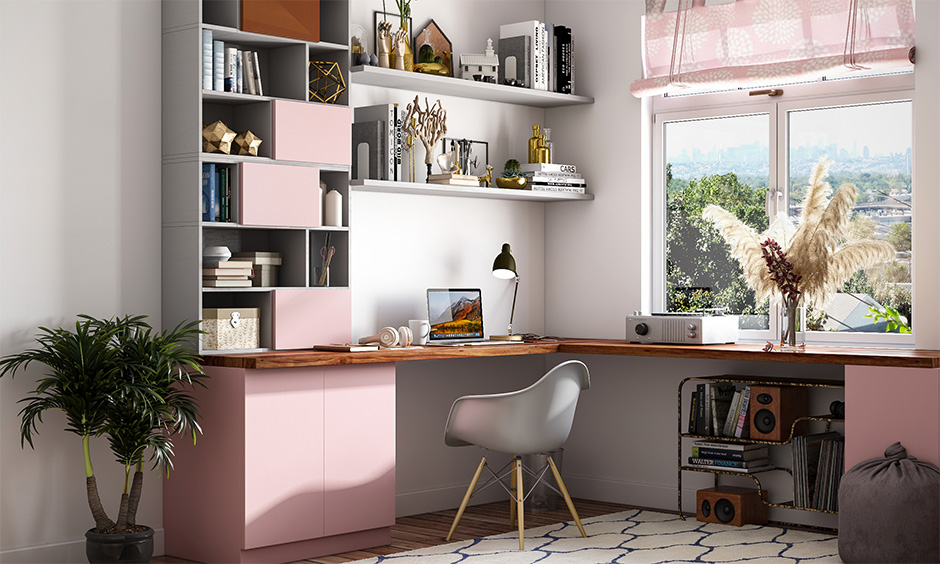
{"x":634,"y":537}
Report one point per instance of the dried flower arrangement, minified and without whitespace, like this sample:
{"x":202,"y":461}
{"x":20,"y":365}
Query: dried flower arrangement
{"x":808,"y":263}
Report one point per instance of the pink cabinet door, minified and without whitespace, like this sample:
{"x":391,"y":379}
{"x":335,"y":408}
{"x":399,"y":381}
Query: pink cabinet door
{"x":313,"y":133}
{"x":359,"y":447}
{"x":304,"y":317}
{"x":280,"y":195}
{"x":283,"y":456}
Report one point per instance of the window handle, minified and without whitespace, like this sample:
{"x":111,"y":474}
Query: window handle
{"x":767,"y":92}
{"x":774,"y":196}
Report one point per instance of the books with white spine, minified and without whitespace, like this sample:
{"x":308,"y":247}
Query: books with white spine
{"x":207,"y":59}
{"x":218,"y":65}
{"x":533,"y":29}
{"x":239,"y":72}
{"x":249,"y":72}
{"x":254,"y":56}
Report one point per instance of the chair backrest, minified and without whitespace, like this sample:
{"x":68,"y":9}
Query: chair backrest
{"x":531,"y":420}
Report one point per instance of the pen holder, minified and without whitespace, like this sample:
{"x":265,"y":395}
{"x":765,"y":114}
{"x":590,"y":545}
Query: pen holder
{"x":321,"y":276}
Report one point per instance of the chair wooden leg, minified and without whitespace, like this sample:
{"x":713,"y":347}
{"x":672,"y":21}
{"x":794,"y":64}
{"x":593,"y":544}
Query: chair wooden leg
{"x":512,"y":502}
{"x":564,"y":492}
{"x":519,"y":500}
{"x":466,"y":497}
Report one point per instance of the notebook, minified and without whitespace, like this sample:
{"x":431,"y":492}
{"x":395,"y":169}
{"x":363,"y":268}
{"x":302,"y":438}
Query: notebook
{"x":456,"y":316}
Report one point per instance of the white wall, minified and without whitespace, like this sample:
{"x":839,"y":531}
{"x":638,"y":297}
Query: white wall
{"x":79,"y":233}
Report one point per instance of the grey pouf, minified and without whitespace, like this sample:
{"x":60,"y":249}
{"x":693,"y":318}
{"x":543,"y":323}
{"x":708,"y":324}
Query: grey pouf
{"x":889,"y":510}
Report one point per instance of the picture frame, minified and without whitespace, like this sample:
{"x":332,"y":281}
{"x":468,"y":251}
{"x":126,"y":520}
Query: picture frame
{"x":477,"y":166}
{"x":395,"y":19}
{"x":438,"y":40}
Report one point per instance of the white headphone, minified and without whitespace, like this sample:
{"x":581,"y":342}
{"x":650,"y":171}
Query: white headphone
{"x":391,"y":337}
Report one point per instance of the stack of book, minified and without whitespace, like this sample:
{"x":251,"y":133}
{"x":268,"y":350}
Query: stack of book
{"x":227,"y":68}
{"x":264,"y":265}
{"x":818,"y":464}
{"x":734,"y":457}
{"x":227,"y":274}
{"x":453,"y":179}
{"x":216,"y":193}
{"x":553,"y":177}
{"x":719,"y":409}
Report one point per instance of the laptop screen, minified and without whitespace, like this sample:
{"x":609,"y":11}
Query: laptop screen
{"x":456,"y":315}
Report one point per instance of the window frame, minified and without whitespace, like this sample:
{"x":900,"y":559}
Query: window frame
{"x":822,"y":94}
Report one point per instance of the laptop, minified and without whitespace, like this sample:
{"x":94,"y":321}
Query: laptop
{"x":455,"y":315}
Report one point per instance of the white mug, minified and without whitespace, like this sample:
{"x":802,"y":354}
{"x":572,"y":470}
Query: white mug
{"x":420,"y":328}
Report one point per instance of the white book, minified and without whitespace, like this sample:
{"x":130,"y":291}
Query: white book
{"x":254,"y":55}
{"x":218,"y":65}
{"x":231,"y":67}
{"x":239,"y":72}
{"x":546,"y":79}
{"x":249,"y":71}
{"x":207,"y":60}
{"x":533,"y":29}
{"x":548,"y":167}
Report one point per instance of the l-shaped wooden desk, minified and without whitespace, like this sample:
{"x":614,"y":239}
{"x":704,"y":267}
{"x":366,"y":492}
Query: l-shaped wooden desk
{"x":303,"y":463}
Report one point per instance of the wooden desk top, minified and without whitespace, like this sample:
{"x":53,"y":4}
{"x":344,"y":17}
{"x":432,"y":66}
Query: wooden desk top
{"x":899,"y":358}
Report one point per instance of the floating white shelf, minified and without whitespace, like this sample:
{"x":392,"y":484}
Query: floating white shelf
{"x":463,"y":191}
{"x":449,"y":86}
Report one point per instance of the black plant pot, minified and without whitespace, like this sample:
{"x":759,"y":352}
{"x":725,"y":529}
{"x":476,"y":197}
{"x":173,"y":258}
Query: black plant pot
{"x":131,"y":547}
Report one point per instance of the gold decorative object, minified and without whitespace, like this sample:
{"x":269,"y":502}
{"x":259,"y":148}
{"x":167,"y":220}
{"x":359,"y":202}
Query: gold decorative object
{"x":409,"y":128}
{"x":247,"y":143}
{"x":326,"y":82}
{"x":430,"y":126}
{"x":538,"y":150}
{"x":517,"y":182}
{"x":217,"y":138}
{"x":487,"y":178}
{"x":401,"y":48}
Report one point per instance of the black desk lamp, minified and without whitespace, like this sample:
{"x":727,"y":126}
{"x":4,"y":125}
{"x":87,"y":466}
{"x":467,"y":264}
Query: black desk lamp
{"x":505,"y":267}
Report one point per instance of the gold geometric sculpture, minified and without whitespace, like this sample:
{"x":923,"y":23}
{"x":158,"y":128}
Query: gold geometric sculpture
{"x":217,"y":138}
{"x":326,"y":82}
{"x":247,"y":143}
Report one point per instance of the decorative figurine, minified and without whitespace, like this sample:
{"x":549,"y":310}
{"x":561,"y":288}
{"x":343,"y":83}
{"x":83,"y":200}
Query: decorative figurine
{"x":402,"y":49}
{"x":448,"y":161}
{"x":487,"y":179}
{"x":217,"y":138}
{"x":430,"y":126}
{"x":247,"y":143}
{"x":385,"y":43}
{"x":482,"y":68}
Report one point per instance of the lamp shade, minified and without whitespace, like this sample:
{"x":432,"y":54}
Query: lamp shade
{"x":504,"y":266}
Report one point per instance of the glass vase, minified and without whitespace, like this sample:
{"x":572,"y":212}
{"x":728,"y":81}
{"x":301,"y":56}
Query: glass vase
{"x":793,"y":326}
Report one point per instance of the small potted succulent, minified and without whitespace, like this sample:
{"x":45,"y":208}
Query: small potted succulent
{"x":121,"y":379}
{"x":512,"y":176}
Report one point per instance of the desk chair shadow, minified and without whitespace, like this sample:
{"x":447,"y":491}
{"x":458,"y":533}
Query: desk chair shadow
{"x":533,"y":420}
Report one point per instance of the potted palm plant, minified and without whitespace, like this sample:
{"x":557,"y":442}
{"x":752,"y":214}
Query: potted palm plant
{"x":121,"y":379}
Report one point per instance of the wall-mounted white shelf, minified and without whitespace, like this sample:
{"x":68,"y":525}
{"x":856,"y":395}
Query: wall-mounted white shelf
{"x":463,"y":191}
{"x":449,"y":86}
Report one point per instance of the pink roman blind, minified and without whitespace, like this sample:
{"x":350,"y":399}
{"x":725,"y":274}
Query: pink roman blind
{"x":751,"y":43}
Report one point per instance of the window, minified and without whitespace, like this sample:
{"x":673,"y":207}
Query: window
{"x":753,"y":157}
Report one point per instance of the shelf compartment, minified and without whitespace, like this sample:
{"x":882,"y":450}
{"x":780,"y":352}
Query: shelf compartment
{"x":448,"y":86}
{"x":291,"y":243}
{"x":339,"y":265}
{"x":252,"y":114}
{"x":390,"y":187}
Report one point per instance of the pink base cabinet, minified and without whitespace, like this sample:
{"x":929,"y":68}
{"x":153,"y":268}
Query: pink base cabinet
{"x":294,"y":463}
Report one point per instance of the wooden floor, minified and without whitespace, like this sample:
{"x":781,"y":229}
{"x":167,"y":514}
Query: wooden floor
{"x":429,"y":529}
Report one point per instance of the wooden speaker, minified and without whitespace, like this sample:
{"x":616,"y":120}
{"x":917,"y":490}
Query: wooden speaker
{"x":728,"y":505}
{"x":773,"y":409}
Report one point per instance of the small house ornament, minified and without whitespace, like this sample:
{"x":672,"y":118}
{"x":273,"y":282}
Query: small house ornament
{"x":482,"y":68}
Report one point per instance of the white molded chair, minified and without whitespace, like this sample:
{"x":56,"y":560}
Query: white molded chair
{"x":534,"y":420}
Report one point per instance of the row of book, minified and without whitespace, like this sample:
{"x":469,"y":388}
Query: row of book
{"x":229,"y":69}
{"x":733,"y":457}
{"x":818,"y":465}
{"x":538,"y":54}
{"x":216,"y":193}
{"x":553,"y":177}
{"x":380,"y":127}
{"x":720,"y":409}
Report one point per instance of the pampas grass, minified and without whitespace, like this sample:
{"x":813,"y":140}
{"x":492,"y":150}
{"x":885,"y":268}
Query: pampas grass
{"x":814,"y":247}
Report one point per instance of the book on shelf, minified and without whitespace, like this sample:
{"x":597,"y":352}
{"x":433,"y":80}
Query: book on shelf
{"x":249,"y":73}
{"x":246,"y":283}
{"x":707,"y":405}
{"x":388,"y":114}
{"x":725,"y":463}
{"x":454,"y":182}
{"x":806,"y":463}
{"x":257,"y":72}
{"x":555,"y":187}
{"x":556,"y":180}
{"x":227,"y":264}
{"x":700,"y":409}
{"x":231,"y":69}
{"x":338,"y":347}
{"x":210,"y":187}
{"x":721,"y":395}
{"x":239,"y":72}
{"x":207,"y":59}
{"x":734,"y":447}
{"x":218,"y":65}
{"x":549,"y":168}
{"x":742,"y":427}
{"x":453,"y":176}
{"x":705,"y":452}
{"x":829,"y":474}
{"x":731,"y":418}
{"x":565,"y":57}
{"x":515,"y":59}
{"x":692,"y":401}
{"x":534,"y":30}
{"x":226,"y":272}
{"x":750,"y":470}
{"x":223,"y":213}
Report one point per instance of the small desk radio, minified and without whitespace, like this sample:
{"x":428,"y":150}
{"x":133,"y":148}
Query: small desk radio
{"x":684,"y":328}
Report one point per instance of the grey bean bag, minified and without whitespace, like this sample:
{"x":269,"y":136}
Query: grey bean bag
{"x":889,"y":510}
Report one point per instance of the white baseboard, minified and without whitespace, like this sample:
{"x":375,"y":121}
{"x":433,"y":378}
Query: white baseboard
{"x":68,"y":552}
